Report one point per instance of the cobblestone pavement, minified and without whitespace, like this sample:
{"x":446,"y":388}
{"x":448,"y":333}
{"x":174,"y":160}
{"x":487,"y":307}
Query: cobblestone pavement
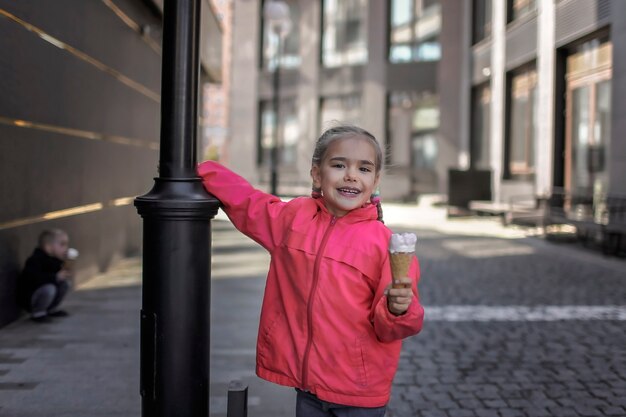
{"x":514,"y":327}
{"x":517,"y":327}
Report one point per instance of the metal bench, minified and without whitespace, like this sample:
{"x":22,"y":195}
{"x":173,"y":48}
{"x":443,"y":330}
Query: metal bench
{"x":523,"y":210}
{"x":517,"y":204}
{"x":596,"y":219}
{"x":576,"y":209}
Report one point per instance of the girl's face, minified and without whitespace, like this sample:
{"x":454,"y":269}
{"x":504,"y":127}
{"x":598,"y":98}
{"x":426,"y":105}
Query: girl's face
{"x":347,"y":174}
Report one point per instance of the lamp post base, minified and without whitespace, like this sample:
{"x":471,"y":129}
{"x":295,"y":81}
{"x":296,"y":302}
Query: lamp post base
{"x":175,"y":315}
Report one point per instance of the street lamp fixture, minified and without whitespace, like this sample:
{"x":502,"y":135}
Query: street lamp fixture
{"x":176,"y":302}
{"x":276,"y":16}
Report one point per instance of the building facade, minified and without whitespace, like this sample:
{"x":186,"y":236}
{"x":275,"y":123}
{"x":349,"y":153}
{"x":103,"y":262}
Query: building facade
{"x":529,"y":90}
{"x":546,"y":87}
{"x":367,"y":62}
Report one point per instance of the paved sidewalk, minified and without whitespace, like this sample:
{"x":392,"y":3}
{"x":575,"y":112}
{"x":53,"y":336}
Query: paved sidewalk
{"x":87,"y":365}
{"x":515,"y":326}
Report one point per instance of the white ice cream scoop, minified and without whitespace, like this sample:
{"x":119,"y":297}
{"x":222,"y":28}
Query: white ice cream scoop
{"x":72,"y":254}
{"x":402,"y":243}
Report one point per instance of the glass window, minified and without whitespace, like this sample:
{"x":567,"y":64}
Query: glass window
{"x":413,"y":121}
{"x":213,"y":119}
{"x":342,"y":109}
{"x":588,"y":75}
{"x":580,"y":137}
{"x":522,"y":122}
{"x":415,"y":29}
{"x":424,"y":152}
{"x":344,"y":38}
{"x":480,"y":133}
{"x":267,"y":124}
{"x":481,"y":25}
{"x":289,"y":133}
{"x":290,"y":45}
{"x":519,"y":8}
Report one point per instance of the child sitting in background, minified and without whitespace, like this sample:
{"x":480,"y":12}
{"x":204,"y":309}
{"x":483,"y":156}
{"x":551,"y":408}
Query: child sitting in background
{"x":45,"y":281}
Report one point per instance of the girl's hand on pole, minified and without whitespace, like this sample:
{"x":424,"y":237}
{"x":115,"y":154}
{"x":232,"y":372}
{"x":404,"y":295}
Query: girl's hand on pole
{"x":399,"y":299}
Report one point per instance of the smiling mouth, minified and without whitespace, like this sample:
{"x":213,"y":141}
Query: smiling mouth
{"x":349,"y":192}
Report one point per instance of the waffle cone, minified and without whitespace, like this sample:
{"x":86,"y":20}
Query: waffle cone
{"x":400,"y":264}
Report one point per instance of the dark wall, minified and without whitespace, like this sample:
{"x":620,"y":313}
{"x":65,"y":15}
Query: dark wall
{"x":79,"y":123}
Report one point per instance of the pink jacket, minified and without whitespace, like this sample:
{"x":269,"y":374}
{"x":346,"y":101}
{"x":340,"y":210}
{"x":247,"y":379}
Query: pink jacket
{"x":325,"y":326}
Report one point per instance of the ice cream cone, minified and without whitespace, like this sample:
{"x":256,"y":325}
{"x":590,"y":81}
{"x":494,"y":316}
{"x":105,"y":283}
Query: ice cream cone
{"x":401,"y":252}
{"x":70,"y":259}
{"x":400,"y":263}
{"x":69,"y":264}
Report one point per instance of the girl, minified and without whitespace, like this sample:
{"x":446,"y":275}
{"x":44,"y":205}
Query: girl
{"x":331,"y":325}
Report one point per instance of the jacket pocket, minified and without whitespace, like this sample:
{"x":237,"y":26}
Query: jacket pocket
{"x":360,"y":358}
{"x":300,"y":241}
{"x":269,"y":330}
{"x":266,"y":348}
{"x":366,"y":265}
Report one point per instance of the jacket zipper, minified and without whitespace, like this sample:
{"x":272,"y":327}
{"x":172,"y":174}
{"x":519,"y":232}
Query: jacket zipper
{"x":316,"y":273}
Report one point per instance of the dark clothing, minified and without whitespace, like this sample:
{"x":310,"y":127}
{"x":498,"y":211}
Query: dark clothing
{"x":40,"y":269}
{"x":308,"y":405}
{"x":47,"y":298}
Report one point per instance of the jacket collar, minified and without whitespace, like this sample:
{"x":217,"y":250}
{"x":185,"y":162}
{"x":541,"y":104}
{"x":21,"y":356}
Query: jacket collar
{"x":42,"y":256}
{"x":363,"y":213}
{"x":41,"y":253}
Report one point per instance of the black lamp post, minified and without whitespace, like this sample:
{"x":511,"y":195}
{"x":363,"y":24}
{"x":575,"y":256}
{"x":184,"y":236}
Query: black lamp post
{"x":276,"y":14}
{"x":177,"y":238}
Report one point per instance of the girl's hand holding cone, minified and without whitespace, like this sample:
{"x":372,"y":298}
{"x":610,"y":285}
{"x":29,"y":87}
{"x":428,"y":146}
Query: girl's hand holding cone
{"x":399,"y":296}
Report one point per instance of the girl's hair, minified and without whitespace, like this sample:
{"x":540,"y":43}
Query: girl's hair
{"x":343,"y":132}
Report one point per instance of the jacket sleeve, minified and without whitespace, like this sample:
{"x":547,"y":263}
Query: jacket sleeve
{"x":253,"y":212}
{"x":387,"y":326}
